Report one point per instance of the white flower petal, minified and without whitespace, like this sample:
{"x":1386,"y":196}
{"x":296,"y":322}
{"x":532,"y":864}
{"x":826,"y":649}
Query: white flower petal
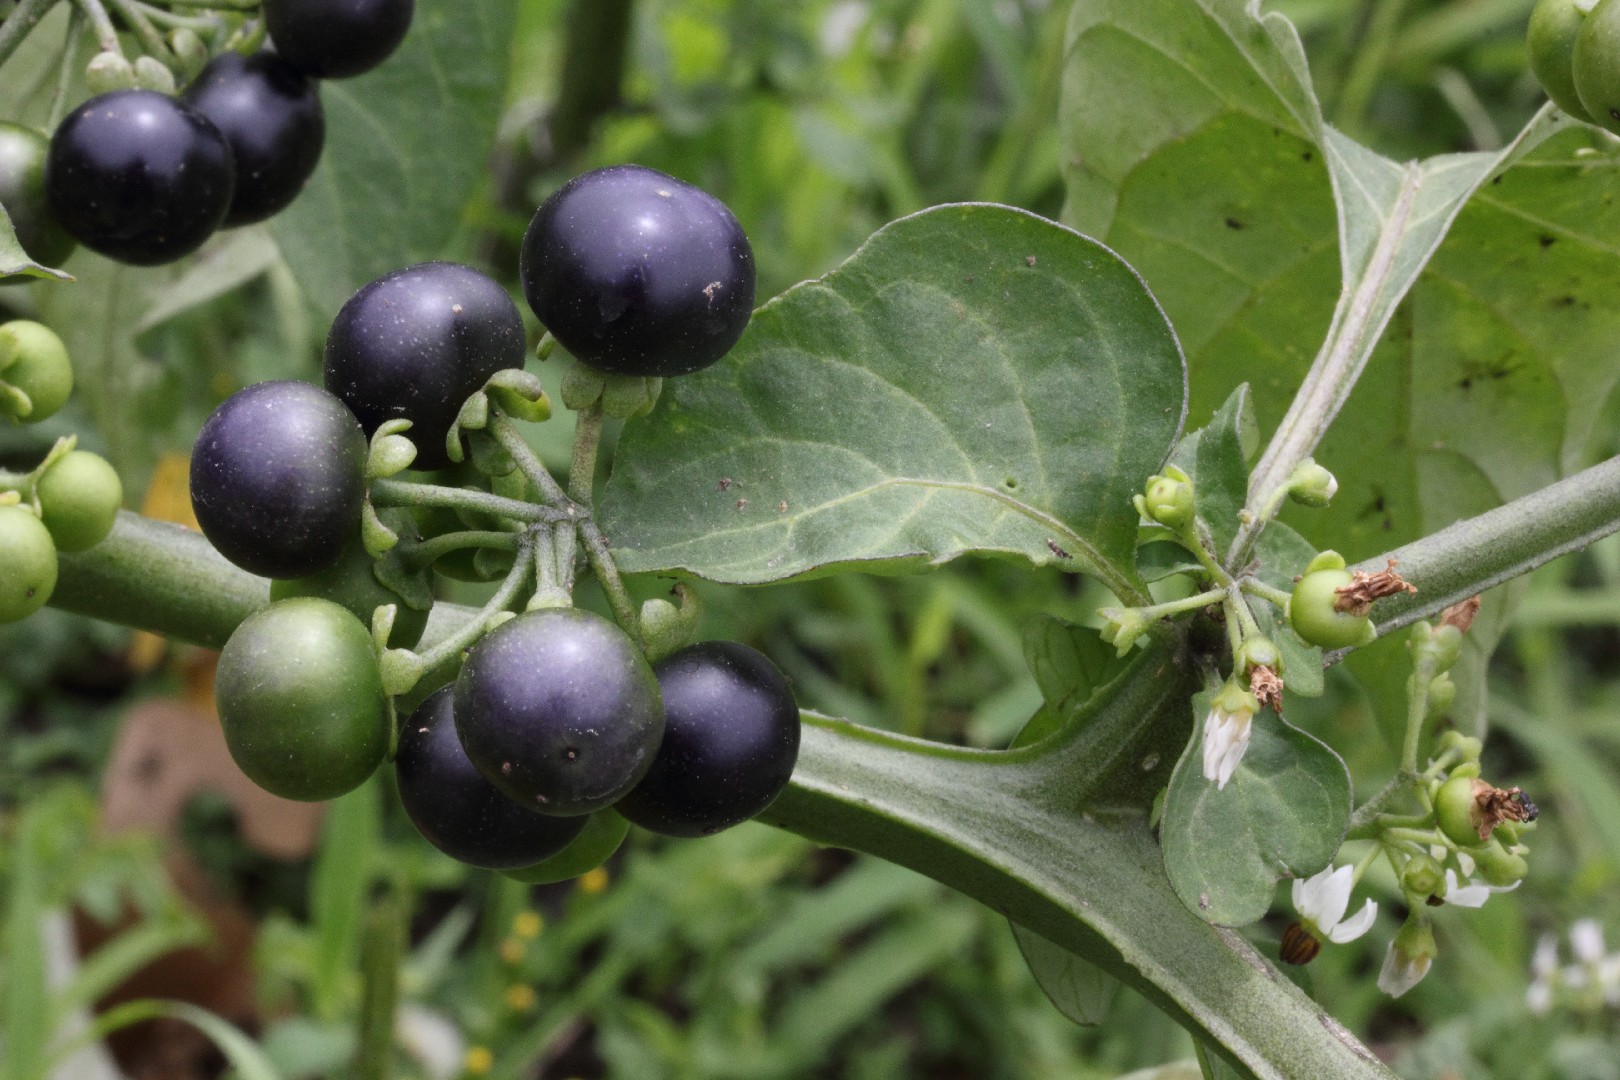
{"x":1465,"y":863}
{"x":1400,"y":972}
{"x":1586,"y":938}
{"x":1538,"y":999}
{"x":1334,"y":897}
{"x":1226,"y":738}
{"x":1356,"y":925}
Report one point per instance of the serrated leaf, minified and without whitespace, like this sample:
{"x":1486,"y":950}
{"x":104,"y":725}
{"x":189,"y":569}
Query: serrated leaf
{"x":907,"y":409}
{"x":1077,"y":988}
{"x":407,"y":147}
{"x":1283,"y":814}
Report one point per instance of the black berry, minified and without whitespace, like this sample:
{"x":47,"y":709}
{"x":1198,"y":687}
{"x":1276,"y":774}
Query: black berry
{"x":415,"y":343}
{"x":334,"y":39}
{"x":270,"y":114}
{"x":559,"y":710}
{"x":638,"y":273}
{"x":731,"y":738}
{"x":139,"y":177}
{"x":278,"y":478}
{"x":456,"y":809}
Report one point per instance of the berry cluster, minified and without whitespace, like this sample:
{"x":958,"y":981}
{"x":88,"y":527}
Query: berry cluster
{"x":1573,"y":45}
{"x":69,"y":501}
{"x":144,"y":177}
{"x":557,"y":715}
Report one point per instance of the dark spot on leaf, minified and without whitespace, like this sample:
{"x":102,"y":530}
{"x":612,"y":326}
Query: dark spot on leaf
{"x":1547,"y":241}
{"x":725,"y":482}
{"x":1012,"y":483}
{"x":1496,"y":179}
{"x":1307,"y":156}
{"x":1234,"y":223}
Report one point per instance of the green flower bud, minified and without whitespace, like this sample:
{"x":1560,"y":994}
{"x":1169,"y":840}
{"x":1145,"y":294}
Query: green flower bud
{"x":1410,"y":955}
{"x":1499,"y":866}
{"x":154,"y":74}
{"x":1312,"y":485}
{"x":1325,"y":560}
{"x":1259,"y":652}
{"x":190,"y":49}
{"x":1442,"y":695}
{"x":1170,"y":500}
{"x":108,"y":71}
{"x":1121,"y":627}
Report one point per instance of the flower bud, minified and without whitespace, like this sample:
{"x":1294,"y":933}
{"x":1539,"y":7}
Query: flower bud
{"x":1122,"y":626}
{"x":1170,"y":499}
{"x":1442,"y":695}
{"x":1312,"y":485}
{"x":108,"y":71}
{"x":1499,"y":866}
{"x":153,"y":74}
{"x":1259,"y":652}
{"x":1410,"y":955}
{"x":190,"y":49}
{"x":1422,"y":876}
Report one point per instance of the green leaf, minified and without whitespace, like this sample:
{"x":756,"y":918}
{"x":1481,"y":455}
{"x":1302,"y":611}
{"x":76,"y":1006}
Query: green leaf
{"x":243,"y":1054}
{"x":1027,"y":832}
{"x":1221,"y":472}
{"x":339,"y":883}
{"x":406,"y":149}
{"x":1283,"y":814}
{"x":1077,"y":988}
{"x":908,"y":408}
{"x":14,"y":260}
{"x":1069,"y":662}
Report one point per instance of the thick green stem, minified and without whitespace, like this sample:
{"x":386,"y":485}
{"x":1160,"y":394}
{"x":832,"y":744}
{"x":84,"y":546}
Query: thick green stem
{"x":582,"y":469}
{"x":23,"y":18}
{"x":512,"y":440}
{"x":1465,"y":559}
{"x":430,"y":551}
{"x":102,"y":24}
{"x":151,"y":40}
{"x":1256,"y":587}
{"x":475,"y":628}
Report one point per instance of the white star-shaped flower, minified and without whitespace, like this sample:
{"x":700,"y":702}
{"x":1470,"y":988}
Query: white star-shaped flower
{"x":1475,"y":893}
{"x":1323,"y":898}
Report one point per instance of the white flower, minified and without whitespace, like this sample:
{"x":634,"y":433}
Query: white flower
{"x":1226,"y":732}
{"x":1544,"y":971}
{"x":1475,"y":893}
{"x":1322,"y":900}
{"x":1402,"y":972}
{"x":1586,"y":939}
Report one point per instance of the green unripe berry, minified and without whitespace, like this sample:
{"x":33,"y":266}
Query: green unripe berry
{"x":1312,"y":615}
{"x":1170,"y":501}
{"x":1595,"y":64}
{"x":1499,"y":866}
{"x":1554,"y":25}
{"x":603,"y":834}
{"x":1456,"y":810}
{"x":36,"y":376}
{"x":79,"y":497}
{"x":27,"y":563}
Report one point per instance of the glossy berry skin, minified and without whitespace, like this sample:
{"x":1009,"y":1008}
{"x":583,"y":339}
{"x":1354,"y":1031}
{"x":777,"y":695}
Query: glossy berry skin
{"x":559,"y":710}
{"x":414,"y":344}
{"x":139,"y":177}
{"x":278,"y":479}
{"x":270,"y":115}
{"x":22,"y":193}
{"x":456,"y":809}
{"x":637,"y":273}
{"x":301,"y":700}
{"x":731,"y":738}
{"x":27,"y":563}
{"x":337,"y":39}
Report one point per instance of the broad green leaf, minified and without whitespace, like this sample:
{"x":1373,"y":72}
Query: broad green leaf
{"x":909,"y":408}
{"x":1282,"y":814}
{"x":14,"y":260}
{"x":1077,"y":988}
{"x":1068,"y":662}
{"x":237,"y":257}
{"x":406,"y":149}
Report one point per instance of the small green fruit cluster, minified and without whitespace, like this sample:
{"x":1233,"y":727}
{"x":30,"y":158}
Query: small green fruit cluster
{"x":1575,"y":53}
{"x":68,"y":503}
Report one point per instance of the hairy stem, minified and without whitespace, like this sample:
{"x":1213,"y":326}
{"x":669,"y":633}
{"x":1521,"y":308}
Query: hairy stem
{"x":430,"y":551}
{"x":101,"y":23}
{"x":407,"y":493}
{"x":151,"y":40}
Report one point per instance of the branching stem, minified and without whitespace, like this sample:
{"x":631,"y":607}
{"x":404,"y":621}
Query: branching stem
{"x":23,"y":18}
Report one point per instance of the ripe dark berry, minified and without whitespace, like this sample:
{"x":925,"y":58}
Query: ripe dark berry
{"x":559,"y":710}
{"x":278,"y":478}
{"x":731,"y":738}
{"x":457,"y":810}
{"x":334,"y":39}
{"x":415,"y":343}
{"x":139,"y":177}
{"x":271,"y":116}
{"x":22,"y":193}
{"x":637,"y":273}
